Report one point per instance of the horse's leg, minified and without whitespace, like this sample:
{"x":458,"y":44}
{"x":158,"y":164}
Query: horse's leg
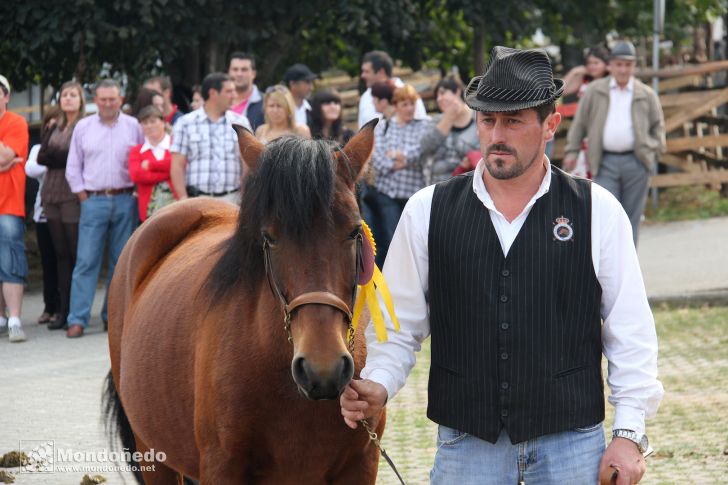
{"x":155,"y":472}
{"x":218,"y":467}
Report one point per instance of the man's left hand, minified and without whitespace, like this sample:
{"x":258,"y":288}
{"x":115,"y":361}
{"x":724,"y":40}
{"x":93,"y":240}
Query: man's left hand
{"x":624,"y":456}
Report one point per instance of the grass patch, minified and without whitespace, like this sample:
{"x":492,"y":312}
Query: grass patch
{"x":689,"y":434}
{"x":686,"y":203}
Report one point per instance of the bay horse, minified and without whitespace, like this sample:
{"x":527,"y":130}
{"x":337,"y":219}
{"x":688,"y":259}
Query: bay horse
{"x":201,"y":363}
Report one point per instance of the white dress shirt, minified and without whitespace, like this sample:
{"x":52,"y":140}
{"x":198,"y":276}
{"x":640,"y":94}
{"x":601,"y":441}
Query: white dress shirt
{"x":618,"y":133}
{"x":301,"y":111}
{"x":629,"y":340}
{"x":367,"y":112}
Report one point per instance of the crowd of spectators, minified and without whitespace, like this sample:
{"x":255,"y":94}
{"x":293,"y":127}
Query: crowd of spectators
{"x":104,"y":174}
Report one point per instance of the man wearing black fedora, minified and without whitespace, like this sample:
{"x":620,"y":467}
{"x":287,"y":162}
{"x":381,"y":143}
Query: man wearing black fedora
{"x":622,"y":118}
{"x":523,"y":277}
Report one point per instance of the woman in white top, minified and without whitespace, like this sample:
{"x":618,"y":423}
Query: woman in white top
{"x":48,"y":261}
{"x":279,"y":110}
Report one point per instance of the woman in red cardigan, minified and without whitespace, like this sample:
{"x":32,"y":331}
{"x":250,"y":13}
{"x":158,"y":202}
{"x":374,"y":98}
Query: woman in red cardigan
{"x":149,"y":164}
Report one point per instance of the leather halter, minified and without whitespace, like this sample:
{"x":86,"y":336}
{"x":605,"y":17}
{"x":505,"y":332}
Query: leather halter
{"x":312,"y":297}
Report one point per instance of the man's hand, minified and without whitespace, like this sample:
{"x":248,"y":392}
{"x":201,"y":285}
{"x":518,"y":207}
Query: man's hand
{"x":624,"y":456}
{"x":83,"y":195}
{"x":145,"y":164}
{"x":569,"y":162}
{"x":362,"y":399}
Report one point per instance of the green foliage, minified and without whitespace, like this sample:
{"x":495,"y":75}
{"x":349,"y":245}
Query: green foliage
{"x":50,"y":42}
{"x":567,"y":22}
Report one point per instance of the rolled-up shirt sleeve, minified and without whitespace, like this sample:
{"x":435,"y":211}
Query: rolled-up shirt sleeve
{"x":629,"y":338}
{"x":406,"y":272}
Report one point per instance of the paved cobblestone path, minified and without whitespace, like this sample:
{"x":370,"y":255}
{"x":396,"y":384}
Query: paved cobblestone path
{"x":50,"y":389}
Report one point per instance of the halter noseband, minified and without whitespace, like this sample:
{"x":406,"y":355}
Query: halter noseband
{"x":312,"y":297}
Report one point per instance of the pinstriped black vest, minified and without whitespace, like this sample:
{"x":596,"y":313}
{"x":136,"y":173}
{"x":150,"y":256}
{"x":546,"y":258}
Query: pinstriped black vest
{"x":516,"y":340}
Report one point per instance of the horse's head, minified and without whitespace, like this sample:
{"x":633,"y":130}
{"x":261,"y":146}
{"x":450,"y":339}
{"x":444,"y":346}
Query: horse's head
{"x":299,"y":208}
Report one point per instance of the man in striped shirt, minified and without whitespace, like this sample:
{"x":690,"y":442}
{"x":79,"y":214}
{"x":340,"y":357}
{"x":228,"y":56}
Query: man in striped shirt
{"x":205,"y":154}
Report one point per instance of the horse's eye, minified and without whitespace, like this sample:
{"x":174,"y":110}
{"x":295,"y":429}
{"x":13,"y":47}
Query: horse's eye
{"x":268,"y":239}
{"x":355,"y":233}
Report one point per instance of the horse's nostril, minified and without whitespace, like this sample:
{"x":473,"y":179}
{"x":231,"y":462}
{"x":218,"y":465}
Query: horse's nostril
{"x":347,"y":370}
{"x":299,"y":368}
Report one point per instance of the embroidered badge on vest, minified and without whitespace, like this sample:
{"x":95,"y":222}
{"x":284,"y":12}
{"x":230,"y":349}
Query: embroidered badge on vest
{"x":562,"y":229}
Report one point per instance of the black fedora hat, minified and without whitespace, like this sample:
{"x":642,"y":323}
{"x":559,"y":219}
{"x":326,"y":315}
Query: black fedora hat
{"x":514,"y":79}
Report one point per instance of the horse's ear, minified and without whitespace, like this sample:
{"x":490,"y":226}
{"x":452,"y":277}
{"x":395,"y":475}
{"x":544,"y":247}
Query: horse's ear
{"x":250,"y":147}
{"x":357,"y":151}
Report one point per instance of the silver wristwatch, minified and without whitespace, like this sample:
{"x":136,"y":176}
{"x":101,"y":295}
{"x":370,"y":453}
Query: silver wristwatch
{"x":641,"y":441}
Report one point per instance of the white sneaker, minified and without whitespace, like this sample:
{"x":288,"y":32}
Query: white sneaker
{"x":16,"y":334}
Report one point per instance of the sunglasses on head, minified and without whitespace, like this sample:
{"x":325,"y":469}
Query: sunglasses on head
{"x":276,"y":88}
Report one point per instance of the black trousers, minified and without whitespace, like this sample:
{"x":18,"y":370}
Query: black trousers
{"x":49,"y":266}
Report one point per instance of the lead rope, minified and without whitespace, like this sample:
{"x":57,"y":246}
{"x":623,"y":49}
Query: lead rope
{"x":375,"y":439}
{"x":372,"y":434}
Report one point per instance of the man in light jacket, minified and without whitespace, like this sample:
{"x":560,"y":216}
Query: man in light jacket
{"x":622,"y":119}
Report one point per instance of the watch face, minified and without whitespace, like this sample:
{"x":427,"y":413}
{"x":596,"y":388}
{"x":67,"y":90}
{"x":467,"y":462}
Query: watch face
{"x":644,"y":443}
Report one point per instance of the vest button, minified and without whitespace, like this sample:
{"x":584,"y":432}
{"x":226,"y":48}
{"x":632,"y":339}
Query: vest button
{"x":504,"y":413}
{"x":505,"y":325}
{"x":504,"y":356}
{"x":503,"y":298}
{"x":505,"y":272}
{"x":504,"y":385}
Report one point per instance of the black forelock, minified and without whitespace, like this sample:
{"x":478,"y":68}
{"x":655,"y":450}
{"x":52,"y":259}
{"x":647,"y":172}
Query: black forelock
{"x":292,"y":187}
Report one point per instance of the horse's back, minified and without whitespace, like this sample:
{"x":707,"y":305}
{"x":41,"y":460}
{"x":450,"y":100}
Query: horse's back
{"x":162,"y":234}
{"x":151,"y":301}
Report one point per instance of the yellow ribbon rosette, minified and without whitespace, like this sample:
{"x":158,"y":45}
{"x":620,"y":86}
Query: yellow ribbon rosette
{"x":367,"y":291}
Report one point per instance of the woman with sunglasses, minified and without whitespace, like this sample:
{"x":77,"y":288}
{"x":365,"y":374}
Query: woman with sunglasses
{"x":327,"y":122}
{"x":279,"y":111}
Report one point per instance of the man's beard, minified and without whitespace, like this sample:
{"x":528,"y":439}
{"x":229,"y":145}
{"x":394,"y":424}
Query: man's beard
{"x":499,"y":169}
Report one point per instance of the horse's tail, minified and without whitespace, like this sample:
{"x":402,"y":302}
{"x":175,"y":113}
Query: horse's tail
{"x":117,"y":425}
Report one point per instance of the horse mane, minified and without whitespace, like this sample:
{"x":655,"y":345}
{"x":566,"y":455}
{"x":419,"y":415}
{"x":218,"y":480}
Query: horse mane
{"x":293,"y":187}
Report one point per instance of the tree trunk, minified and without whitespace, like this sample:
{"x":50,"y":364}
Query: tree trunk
{"x":213,"y":61}
{"x":479,"y":48}
{"x":80,"y":73}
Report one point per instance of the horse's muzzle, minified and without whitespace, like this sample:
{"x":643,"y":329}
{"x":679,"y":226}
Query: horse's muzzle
{"x":316,"y":383}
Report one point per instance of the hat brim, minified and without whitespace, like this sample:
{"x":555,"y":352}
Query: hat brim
{"x":499,"y":105}
{"x":625,"y":57}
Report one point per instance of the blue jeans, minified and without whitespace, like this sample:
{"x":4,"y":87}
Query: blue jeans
{"x":13,"y":263}
{"x":102,"y":217}
{"x":385,"y":213}
{"x":566,"y":458}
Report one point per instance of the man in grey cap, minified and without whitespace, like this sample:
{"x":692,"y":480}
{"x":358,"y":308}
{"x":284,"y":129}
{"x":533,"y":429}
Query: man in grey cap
{"x":523,"y":277}
{"x":622,"y":119}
